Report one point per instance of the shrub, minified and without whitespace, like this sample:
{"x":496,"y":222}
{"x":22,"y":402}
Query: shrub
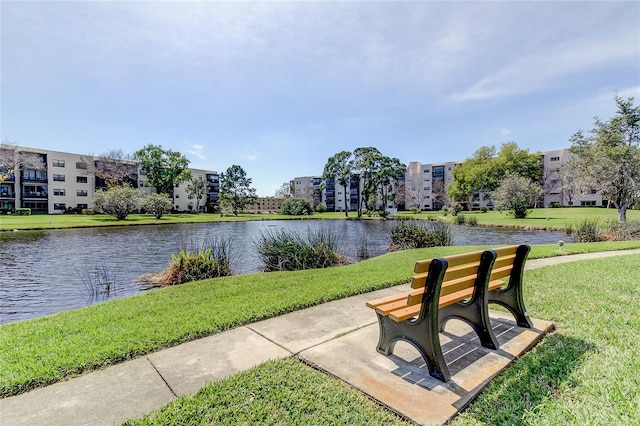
{"x":290,"y":251}
{"x":88,"y":211}
{"x":321,"y":208}
{"x":23,"y":212}
{"x":554,"y":205}
{"x":484,"y":209}
{"x":515,"y":195}
{"x":472,"y":221}
{"x":118,"y":201}
{"x":415,"y":210}
{"x":410,"y":234}
{"x":296,"y":207}
{"x":587,"y":231}
{"x":157,"y":204}
{"x":208,"y":262}
{"x":460,"y":219}
{"x":623,"y":231}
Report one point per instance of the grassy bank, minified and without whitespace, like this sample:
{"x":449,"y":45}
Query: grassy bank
{"x":537,"y":219}
{"x":586,"y":373}
{"x":63,"y":221}
{"x":45,"y":350}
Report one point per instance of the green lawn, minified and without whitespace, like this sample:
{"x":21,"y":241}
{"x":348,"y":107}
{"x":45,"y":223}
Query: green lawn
{"x":585,"y":373}
{"x":45,"y":350}
{"x":538,"y":218}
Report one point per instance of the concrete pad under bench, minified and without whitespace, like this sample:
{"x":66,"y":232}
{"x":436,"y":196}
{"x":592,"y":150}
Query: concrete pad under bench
{"x":402,"y":382}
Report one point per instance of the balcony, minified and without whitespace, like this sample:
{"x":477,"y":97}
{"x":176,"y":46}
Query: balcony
{"x":34,"y":194}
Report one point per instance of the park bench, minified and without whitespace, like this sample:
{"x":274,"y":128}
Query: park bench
{"x":459,"y":286}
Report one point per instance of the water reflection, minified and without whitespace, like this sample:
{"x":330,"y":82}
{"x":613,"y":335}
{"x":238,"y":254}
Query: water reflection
{"x":42,"y":271}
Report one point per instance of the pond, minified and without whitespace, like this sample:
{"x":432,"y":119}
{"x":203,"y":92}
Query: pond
{"x":44,"y":272}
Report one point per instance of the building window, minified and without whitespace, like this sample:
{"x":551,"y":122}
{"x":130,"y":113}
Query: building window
{"x":81,"y":193}
{"x":58,"y":163}
{"x":81,"y":165}
{"x":59,"y":192}
{"x":588,"y":203}
{"x":59,"y":206}
{"x":554,"y":159}
{"x":83,"y":206}
{"x":58,"y":178}
{"x":81,"y":179}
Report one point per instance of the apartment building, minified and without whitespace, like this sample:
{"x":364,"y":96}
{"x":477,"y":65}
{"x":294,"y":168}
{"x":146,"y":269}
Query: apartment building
{"x":426,"y":183}
{"x":264,"y":205}
{"x":425,"y":187}
{"x":62,"y":181}
{"x":560,"y":187}
{"x":317,"y":190}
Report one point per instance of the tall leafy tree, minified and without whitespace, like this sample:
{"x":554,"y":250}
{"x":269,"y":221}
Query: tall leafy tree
{"x":197,"y":189}
{"x":472,"y":176}
{"x":235,"y":188}
{"x":483,"y":172}
{"x":608,"y":159}
{"x":340,"y":166}
{"x":163,"y":167}
{"x":364,"y":164}
{"x":386,"y":172}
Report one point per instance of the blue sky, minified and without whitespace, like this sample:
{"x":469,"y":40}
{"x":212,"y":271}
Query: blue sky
{"x":279,"y":87}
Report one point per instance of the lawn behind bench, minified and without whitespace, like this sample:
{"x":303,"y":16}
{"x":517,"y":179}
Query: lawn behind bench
{"x":586,"y":373}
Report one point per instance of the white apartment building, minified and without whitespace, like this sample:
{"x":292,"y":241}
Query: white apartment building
{"x":559,"y":185}
{"x":64,"y":183}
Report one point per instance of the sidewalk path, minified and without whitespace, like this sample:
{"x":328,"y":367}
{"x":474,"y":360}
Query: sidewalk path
{"x":338,"y":337}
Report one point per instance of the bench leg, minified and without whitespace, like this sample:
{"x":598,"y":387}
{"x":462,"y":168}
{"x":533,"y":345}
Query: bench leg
{"x":422,"y":334}
{"x":476,"y":314}
{"x":511,"y":297}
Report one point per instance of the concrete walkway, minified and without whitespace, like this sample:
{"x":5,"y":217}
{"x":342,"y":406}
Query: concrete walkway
{"x":339,"y":337}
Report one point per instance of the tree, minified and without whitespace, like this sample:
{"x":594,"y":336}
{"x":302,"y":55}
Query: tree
{"x":516,"y":194}
{"x":163,"y":168}
{"x":472,"y":176}
{"x":118,"y":200}
{"x":283,"y":191}
{"x":11,"y":158}
{"x":608,"y":159}
{"x":415,"y":191}
{"x":386,"y":171}
{"x":157,"y":204}
{"x":235,"y":188}
{"x":113,"y":167}
{"x":364,"y":163}
{"x":197,"y":188}
{"x":483,"y":171}
{"x":296,"y":207}
{"x":340,"y":167}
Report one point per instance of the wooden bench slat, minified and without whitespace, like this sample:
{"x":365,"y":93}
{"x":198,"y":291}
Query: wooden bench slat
{"x":419,"y":281}
{"x":504,"y":261}
{"x":461,"y":271}
{"x":422,"y":266}
{"x":503,"y":272}
{"x":506,"y":251}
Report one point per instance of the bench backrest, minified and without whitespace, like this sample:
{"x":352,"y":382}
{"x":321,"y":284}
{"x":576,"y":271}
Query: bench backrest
{"x":461,"y":273}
